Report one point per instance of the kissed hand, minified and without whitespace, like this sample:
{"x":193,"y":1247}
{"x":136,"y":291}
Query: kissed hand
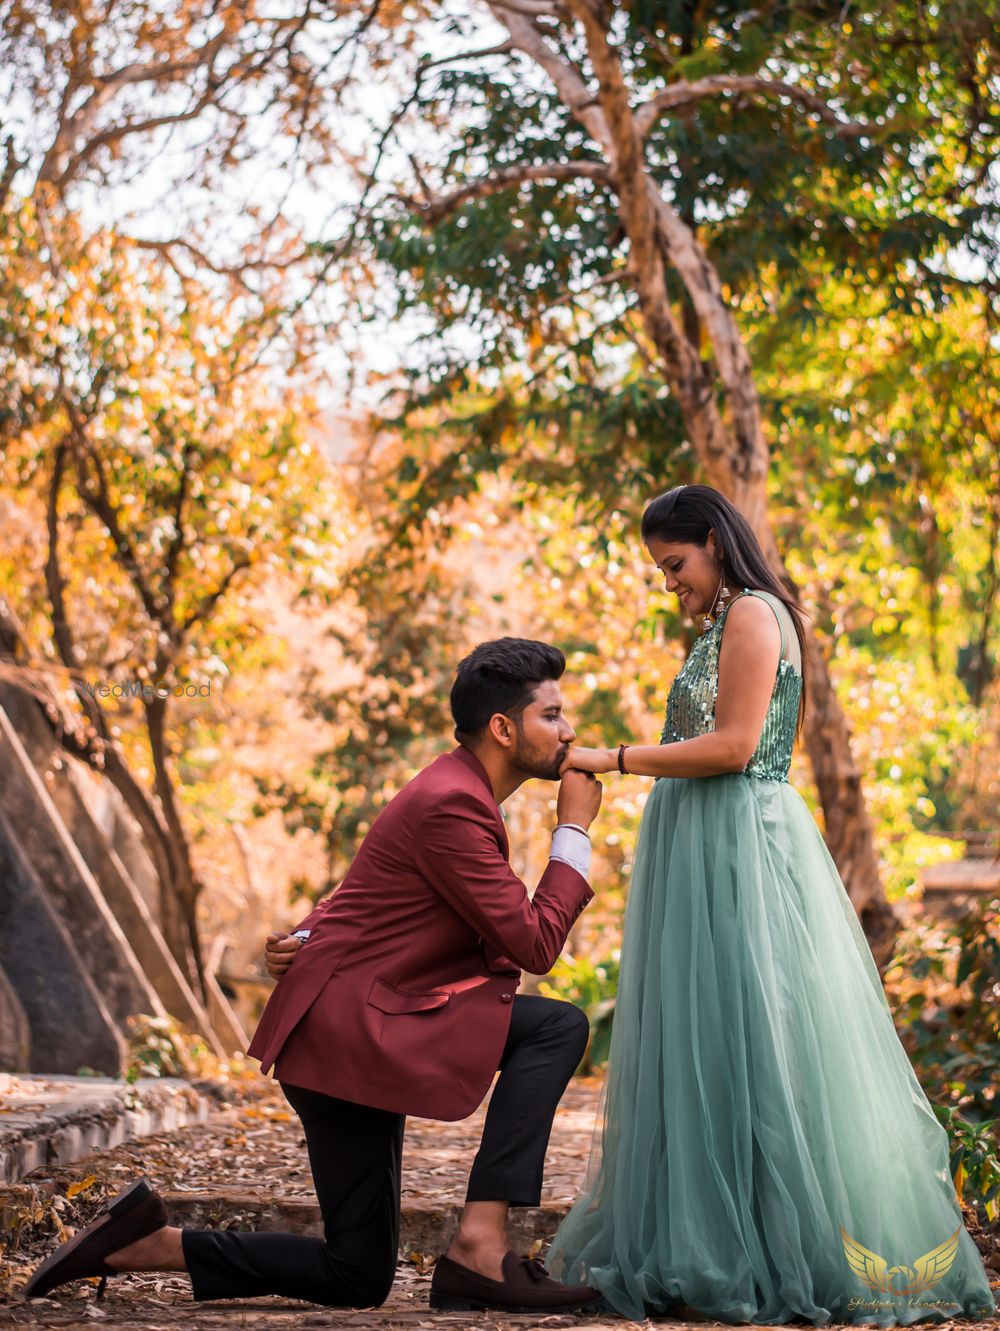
{"x":590,"y":760}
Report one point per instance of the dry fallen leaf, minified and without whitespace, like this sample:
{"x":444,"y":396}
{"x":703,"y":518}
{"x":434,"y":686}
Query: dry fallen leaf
{"x":75,"y":1189}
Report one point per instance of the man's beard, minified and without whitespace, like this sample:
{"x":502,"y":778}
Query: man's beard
{"x":534,"y":762}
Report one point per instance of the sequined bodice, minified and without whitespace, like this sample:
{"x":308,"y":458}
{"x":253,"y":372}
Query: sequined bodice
{"x":691,"y":701}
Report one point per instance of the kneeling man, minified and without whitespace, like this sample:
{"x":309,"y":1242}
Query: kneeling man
{"x":396,"y":996}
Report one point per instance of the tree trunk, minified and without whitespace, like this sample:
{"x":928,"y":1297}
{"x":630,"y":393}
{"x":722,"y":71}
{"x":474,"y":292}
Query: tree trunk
{"x":731,"y":448}
{"x":848,"y":828}
{"x":186,"y":886}
{"x":169,"y":852}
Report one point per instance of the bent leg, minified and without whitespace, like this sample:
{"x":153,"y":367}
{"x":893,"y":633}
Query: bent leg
{"x":546,"y":1042}
{"x":355,"y":1153}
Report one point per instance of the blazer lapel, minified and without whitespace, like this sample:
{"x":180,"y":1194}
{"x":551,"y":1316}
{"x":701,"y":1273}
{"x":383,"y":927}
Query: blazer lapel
{"x":469,"y":760}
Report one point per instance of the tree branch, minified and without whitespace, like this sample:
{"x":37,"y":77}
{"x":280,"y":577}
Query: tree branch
{"x":684,"y":94}
{"x":234,"y":271}
{"x":177,"y":540}
{"x":617,"y":275}
{"x":208,"y":602}
{"x":502,"y":49}
{"x":533,"y":8}
{"x":657,"y":236}
{"x":987,"y":285}
{"x":98,"y":499}
{"x":61,"y":633}
{"x":159,"y":71}
{"x":568,"y":81}
{"x":61,"y":160}
{"x":11,"y":165}
{"x":435,"y":207}
{"x":116,"y":133}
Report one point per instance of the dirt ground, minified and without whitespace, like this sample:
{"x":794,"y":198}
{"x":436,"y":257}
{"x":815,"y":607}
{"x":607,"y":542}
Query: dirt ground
{"x":231,"y":1169}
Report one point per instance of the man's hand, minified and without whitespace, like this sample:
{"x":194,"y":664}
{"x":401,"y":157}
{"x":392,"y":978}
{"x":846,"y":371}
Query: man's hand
{"x":579,"y":798}
{"x":279,"y":953}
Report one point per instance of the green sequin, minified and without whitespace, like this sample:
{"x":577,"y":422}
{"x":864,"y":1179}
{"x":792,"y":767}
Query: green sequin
{"x":691,"y":701}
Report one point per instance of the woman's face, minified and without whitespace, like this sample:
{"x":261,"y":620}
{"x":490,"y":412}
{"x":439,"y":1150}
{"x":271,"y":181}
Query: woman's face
{"x":690,"y":571}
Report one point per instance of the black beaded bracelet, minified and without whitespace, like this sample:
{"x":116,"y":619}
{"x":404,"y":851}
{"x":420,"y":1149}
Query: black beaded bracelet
{"x":621,"y":759}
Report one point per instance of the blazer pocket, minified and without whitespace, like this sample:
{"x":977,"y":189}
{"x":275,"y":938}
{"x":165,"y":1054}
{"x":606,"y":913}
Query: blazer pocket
{"x":395,"y":1001}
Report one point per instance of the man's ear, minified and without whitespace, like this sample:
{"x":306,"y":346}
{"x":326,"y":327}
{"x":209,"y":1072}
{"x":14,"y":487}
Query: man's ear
{"x":501,"y":728}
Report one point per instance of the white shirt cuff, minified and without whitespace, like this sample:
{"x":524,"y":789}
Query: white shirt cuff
{"x":571,"y":845}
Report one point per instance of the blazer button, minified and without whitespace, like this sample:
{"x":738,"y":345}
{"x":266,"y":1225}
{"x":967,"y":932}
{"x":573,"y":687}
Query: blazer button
{"x":506,"y":998}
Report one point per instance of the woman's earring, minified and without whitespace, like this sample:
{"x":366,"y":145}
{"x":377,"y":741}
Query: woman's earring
{"x":723,"y":596}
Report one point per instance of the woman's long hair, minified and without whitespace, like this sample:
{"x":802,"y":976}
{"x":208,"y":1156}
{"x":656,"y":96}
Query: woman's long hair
{"x":687,"y":513}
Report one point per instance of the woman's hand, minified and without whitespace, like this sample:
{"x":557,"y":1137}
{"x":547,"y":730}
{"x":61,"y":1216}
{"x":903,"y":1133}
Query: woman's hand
{"x":590,"y":760}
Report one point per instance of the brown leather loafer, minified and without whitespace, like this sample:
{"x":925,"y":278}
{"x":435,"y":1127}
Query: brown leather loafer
{"x":526,"y":1288}
{"x":132,"y":1215}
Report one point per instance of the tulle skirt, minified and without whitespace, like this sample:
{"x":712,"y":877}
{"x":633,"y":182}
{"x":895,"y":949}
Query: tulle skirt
{"x":764,"y":1151}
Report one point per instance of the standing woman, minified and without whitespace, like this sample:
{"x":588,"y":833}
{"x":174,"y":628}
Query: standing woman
{"x":766,"y":1151}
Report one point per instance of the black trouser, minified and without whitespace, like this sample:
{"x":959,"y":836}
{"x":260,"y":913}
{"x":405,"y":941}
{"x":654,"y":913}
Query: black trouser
{"x":355,"y":1154}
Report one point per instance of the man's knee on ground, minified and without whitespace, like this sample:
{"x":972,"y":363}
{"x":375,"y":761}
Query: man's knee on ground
{"x":365,"y":1286}
{"x":365,"y":1294}
{"x":373,"y":1294}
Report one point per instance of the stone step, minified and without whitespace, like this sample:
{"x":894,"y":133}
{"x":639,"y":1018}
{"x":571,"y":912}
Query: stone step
{"x":48,"y":1121}
{"x":426,"y":1229}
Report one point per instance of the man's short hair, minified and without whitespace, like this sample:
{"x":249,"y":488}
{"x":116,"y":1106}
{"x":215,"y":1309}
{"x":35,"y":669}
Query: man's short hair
{"x":500,"y":676}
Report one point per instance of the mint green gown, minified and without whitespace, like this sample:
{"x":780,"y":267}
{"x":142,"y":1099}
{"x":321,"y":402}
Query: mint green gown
{"x":764,"y":1151}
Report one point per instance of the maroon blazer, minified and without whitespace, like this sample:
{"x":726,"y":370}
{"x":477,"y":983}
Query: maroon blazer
{"x":401,"y":996}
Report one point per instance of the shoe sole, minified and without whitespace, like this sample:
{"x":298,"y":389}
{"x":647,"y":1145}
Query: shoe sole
{"x":116,"y":1208}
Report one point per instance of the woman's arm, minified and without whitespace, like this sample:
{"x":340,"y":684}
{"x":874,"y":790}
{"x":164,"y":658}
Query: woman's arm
{"x":748,"y":664}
